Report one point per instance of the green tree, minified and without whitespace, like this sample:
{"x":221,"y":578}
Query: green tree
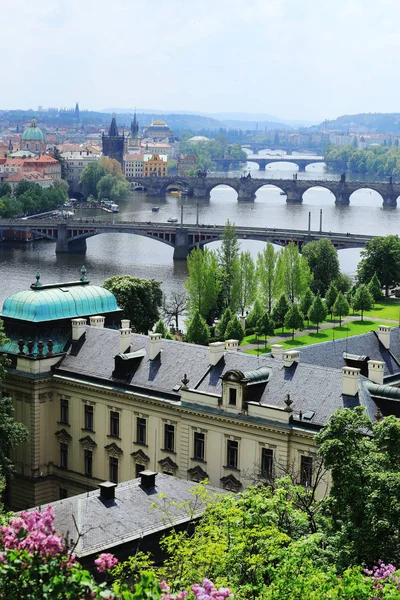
{"x":255,"y":313}
{"x":381,"y":257}
{"x":280,"y":311}
{"x":223,"y":322}
{"x":343,"y":283}
{"x":294,"y":272}
{"x":140,"y":300}
{"x":246,"y":281}
{"x":318,"y":311}
{"x":363,"y":300}
{"x":265,"y":327}
{"x":202,"y":283}
{"x":323,"y":262}
{"x":5,"y":189}
{"x":228,"y":262}
{"x":306,"y":302}
{"x":161,"y":328}
{"x":112,"y":188}
{"x":294,"y":319}
{"x":330,"y":298}
{"x":197,"y":330}
{"x":268,"y":276}
{"x":341,"y":307}
{"x":375,"y":288}
{"x":90,"y":177}
{"x":55,"y":153}
{"x":234,"y":330}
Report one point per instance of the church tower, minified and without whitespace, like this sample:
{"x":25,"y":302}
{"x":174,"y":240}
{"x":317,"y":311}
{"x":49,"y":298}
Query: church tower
{"x":113,"y":143}
{"x":134,"y":140}
{"x":77,"y":111}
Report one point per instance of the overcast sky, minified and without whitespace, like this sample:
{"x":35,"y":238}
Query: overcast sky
{"x":296,"y":59}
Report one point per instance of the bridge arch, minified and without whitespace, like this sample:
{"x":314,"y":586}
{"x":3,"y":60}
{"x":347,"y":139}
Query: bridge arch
{"x":366,"y":196}
{"x":275,"y":190}
{"x":226,"y":183}
{"x":176,"y":185}
{"x":309,"y":195}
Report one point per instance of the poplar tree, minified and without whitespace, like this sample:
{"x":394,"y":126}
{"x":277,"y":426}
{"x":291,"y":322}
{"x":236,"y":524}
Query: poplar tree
{"x":318,"y":311}
{"x":306,"y":303}
{"x":202,"y":283}
{"x":280,"y":310}
{"x":363,"y":300}
{"x":330,"y":298}
{"x":294,"y":274}
{"x":268,"y":275}
{"x":247,"y":283}
{"x":341,"y":307}
{"x":294,"y":319}
{"x":228,"y":262}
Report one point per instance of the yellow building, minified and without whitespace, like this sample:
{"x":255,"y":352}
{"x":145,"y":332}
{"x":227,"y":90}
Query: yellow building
{"x":103,"y":403}
{"x":155,"y":165}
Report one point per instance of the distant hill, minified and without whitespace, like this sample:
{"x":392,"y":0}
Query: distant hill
{"x":365,"y":123}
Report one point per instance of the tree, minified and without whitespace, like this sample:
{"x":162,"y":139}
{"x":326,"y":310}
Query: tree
{"x":234,"y":330}
{"x":246,"y":281}
{"x":111,"y":187}
{"x":381,"y":257}
{"x":267,"y":275}
{"x":330,"y":298}
{"x":324,"y":264}
{"x":90,"y":177}
{"x":228,"y":262}
{"x":375,"y":288}
{"x":202,"y":283}
{"x":160,"y":328}
{"x":294,"y":319}
{"x":173,"y":306}
{"x":197,"y":331}
{"x":255,"y":313}
{"x":55,"y":153}
{"x":293,"y":272}
{"x":343,"y":283}
{"x":363,"y":300}
{"x":265,"y":327}
{"x":341,"y":307}
{"x":306,"y":302}
{"x":318,"y":311}
{"x":140,"y":300}
{"x":280,"y":311}
{"x":223,"y":322}
{"x":5,"y":189}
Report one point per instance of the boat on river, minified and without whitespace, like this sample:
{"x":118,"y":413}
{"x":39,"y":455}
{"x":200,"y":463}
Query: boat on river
{"x":172,"y":220}
{"x":109,"y":206}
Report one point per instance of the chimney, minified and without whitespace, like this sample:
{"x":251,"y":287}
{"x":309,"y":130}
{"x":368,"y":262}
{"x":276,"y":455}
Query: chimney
{"x":124,"y":339}
{"x":155,"y":345}
{"x":376,"y":369}
{"x":350,"y":379}
{"x":384,"y":335}
{"x":78,"y":329}
{"x":125,"y":324}
{"x":107,"y":490}
{"x":290,"y":357}
{"x":277,"y":351}
{"x":148,"y":480}
{"x":97,"y":321}
{"x":217,"y":350}
{"x":232,"y":345}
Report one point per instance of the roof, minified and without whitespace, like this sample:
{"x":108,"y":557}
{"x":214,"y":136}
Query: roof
{"x":199,"y":138}
{"x":33,"y":133}
{"x":63,"y":301}
{"x":33,"y":176}
{"x":104,"y":524}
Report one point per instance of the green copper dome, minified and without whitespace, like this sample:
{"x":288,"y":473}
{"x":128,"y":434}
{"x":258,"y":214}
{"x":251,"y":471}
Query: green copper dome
{"x":33,"y":133}
{"x":66,"y":301}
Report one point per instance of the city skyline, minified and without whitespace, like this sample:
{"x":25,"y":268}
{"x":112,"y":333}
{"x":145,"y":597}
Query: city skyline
{"x":283,"y":58}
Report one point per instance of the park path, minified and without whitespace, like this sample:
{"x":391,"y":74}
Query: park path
{"x":312,"y":329}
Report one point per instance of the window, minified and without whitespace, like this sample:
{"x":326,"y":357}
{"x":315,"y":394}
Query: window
{"x":64,"y":406}
{"x":139,"y":469}
{"x":114,"y":424}
{"x":306,"y":470}
{"x":89,"y":417}
{"x":63,"y":493}
{"x":113,"y":469}
{"x":267,"y":462}
{"x":232,"y":454}
{"x":232,"y":396}
{"x":169,"y":437}
{"x":88,"y":463}
{"x":63,"y":455}
{"x":141,"y":430}
{"x":198,"y":445}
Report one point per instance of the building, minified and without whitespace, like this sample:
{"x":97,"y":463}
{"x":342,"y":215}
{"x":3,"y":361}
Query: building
{"x":155,"y":165}
{"x":186,"y":163}
{"x":114,"y":144}
{"x":102,"y":403}
{"x":33,"y":139}
{"x":133,"y":165}
{"x":127,"y":517}
{"x":160,"y":148}
{"x":44,"y":181}
{"x":43,"y":163}
{"x":157,"y":130}
{"x":75,"y":162}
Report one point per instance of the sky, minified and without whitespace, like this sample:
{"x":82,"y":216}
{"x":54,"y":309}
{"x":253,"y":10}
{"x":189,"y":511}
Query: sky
{"x":296,"y":59}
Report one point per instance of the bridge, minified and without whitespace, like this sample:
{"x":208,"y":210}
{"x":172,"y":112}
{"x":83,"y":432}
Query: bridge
{"x":71,"y":236}
{"x":256,"y":147}
{"x":302,"y":163}
{"x":247,"y":187}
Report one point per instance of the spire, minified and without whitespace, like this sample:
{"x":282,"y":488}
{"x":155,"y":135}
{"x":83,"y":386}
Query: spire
{"x":113,"y":131}
{"x":134,"y":126}
{"x":76,"y":111}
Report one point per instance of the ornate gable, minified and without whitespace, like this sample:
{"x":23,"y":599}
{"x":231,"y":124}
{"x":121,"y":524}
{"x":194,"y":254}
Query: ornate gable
{"x":197,"y":474}
{"x":140,"y":456}
{"x":231,"y":483}
{"x":168,"y":464}
{"x":63,"y":435}
{"x":113,"y":449}
{"x":88,"y":442}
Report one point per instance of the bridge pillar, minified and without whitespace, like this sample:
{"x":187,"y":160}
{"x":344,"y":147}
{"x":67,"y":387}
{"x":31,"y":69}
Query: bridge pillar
{"x":200,"y":192}
{"x":342,"y":197}
{"x":390,"y":199}
{"x":63,"y":245}
{"x":262,"y":165}
{"x":302,"y":168}
{"x":255,"y":150}
{"x":181,"y":249}
{"x":246,"y":191}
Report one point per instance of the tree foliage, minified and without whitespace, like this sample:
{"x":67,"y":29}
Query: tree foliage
{"x":223,"y":322}
{"x":324,"y":264}
{"x":362,"y":300}
{"x":140,"y":300}
{"x":197,"y":330}
{"x":247,"y":283}
{"x":202,"y":283}
{"x":294,"y":272}
{"x":341,"y":307}
{"x":294,"y":319}
{"x":161,"y":328}
{"x":228,"y":263}
{"x":381,"y":257}
{"x":375,"y":288}
{"x":265,"y":326}
{"x":318,"y":311}
{"x":330,"y":298}
{"x":234,"y":330}
{"x":270,"y":283}
{"x":280,"y":310}
{"x":306,"y":302}
{"x":104,"y":179}
{"x":255,"y":313}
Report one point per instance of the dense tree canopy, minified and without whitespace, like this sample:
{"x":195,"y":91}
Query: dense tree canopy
{"x":30,"y":198}
{"x":202,"y":284}
{"x":381,"y":257}
{"x":324,"y":264}
{"x":104,"y":179}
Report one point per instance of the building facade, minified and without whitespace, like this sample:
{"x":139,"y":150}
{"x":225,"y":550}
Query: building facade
{"x":33,"y":139}
{"x":75,"y":162}
{"x":114,"y":144}
{"x":155,"y":165}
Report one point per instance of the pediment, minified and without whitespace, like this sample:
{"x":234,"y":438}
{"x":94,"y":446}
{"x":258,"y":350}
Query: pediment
{"x":231,"y":483}
{"x":114,"y":449}
{"x":168,"y":463}
{"x":197,"y":473}
{"x":88,"y":442}
{"x":63,"y":435}
{"x":140,"y":456}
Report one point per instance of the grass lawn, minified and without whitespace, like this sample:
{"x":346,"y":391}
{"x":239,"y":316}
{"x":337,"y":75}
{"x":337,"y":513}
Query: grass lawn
{"x":387,"y":309}
{"x":350,"y":328}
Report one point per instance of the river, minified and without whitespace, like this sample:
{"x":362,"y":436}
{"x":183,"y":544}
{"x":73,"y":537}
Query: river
{"x":116,"y":254}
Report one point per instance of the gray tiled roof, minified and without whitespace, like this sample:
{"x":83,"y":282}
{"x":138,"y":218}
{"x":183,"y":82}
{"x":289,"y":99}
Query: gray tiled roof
{"x":105,"y":524}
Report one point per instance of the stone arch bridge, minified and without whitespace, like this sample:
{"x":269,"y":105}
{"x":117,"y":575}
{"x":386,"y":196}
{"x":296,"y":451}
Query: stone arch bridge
{"x":71,"y":236}
{"x":302,"y":163}
{"x":247,"y":187}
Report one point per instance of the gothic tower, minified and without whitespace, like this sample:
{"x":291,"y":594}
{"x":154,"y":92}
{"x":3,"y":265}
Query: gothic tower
{"x":113,"y":143}
{"x":77,"y":112}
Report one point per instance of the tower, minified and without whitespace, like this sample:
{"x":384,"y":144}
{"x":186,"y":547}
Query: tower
{"x":77,"y":111}
{"x":134,"y":140}
{"x":113,"y":143}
